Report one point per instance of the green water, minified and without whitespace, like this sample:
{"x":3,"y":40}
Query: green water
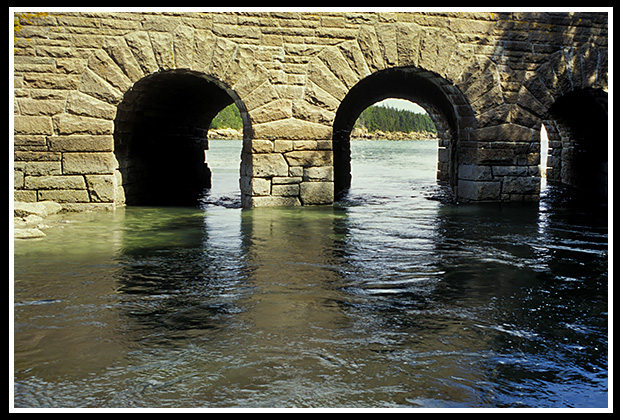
{"x":394,"y":297}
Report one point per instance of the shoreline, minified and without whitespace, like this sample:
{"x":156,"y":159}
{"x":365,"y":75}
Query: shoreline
{"x":356,"y":134}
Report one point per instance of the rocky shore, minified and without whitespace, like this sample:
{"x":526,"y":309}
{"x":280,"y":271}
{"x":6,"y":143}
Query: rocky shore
{"x":225,"y":134}
{"x":363,"y":133}
{"x":356,"y":133}
{"x":29,"y":218}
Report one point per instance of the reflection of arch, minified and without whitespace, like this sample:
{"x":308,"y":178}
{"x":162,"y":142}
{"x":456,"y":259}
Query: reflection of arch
{"x":578,"y":133}
{"x":161,"y":134}
{"x":444,"y":103}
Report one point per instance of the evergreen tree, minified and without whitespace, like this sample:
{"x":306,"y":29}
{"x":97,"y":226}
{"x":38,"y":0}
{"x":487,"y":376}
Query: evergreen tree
{"x":229,"y":117}
{"x":376,"y":118}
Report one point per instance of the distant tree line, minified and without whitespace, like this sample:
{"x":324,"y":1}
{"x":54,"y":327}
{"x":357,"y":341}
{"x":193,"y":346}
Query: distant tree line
{"x":380,"y":118}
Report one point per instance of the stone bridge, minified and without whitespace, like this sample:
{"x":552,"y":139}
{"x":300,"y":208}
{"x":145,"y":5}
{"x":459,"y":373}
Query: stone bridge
{"x":114,"y":108}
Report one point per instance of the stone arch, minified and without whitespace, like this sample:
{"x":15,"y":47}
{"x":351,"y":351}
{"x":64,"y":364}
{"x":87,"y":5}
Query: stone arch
{"x":161,"y":135}
{"x":445,"y":104}
{"x":404,"y":60}
{"x":568,"y":94}
{"x":141,"y":64}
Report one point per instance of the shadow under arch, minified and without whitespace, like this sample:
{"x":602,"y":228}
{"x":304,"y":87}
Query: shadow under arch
{"x":577,"y":128}
{"x":445,"y":104}
{"x":160,"y":136}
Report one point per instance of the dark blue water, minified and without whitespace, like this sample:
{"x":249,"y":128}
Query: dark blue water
{"x":394,"y":297}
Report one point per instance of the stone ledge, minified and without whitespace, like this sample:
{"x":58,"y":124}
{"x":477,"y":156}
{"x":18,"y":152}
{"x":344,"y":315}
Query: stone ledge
{"x":28,"y":218}
{"x":39,"y":208}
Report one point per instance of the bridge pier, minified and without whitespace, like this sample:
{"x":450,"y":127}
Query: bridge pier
{"x":505,"y":166}
{"x":292,"y":169}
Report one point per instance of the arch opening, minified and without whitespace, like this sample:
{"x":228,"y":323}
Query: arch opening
{"x":434,"y":94}
{"x":161,"y":137}
{"x":223,"y":158}
{"x":577,"y":128}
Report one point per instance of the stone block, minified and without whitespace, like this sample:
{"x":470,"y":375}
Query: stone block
{"x":81,"y":143}
{"x":31,"y":143}
{"x":18,"y":179}
{"x":259,"y":97}
{"x":296,"y":171}
{"x":87,"y":106}
{"x":520,"y":185}
{"x":260,"y":186}
{"x":29,"y":125}
{"x":316,"y":193}
{"x":73,"y":124}
{"x":282,"y":146}
{"x":304,"y":145}
{"x":266,"y":165}
{"x":95,"y":86}
{"x":34,"y":107}
{"x":309,"y":158}
{"x":285,"y":189}
{"x":140,"y":45}
{"x":306,"y":111}
{"x":245,"y":185}
{"x":27,"y":196}
{"x":324,"y":144}
{"x":475,"y":173}
{"x":262,"y":146}
{"x":319,"y":173}
{"x":88,"y":163}
{"x":61,"y":182}
{"x":478,"y":190}
{"x":64,"y":196}
{"x":102,"y":188}
{"x":42,"y":168}
{"x":273,"y":201}
{"x":103,"y":66}
{"x":51,"y":81}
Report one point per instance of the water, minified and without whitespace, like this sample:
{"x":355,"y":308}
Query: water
{"x":393,"y":298}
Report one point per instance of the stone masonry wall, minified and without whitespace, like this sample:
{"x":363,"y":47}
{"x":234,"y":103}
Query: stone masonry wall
{"x":290,"y":71}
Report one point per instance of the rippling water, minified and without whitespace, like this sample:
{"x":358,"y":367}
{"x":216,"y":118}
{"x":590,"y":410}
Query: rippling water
{"x":394,"y":297}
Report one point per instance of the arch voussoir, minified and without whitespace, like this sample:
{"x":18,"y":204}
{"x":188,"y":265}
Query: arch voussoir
{"x":139,"y":44}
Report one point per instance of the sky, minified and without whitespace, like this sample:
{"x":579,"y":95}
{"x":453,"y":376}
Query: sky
{"x":402,"y":104}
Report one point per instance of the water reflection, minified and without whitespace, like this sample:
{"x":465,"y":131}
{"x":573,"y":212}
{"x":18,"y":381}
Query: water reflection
{"x":543,"y":274}
{"x":181,"y":271}
{"x":391,"y":298}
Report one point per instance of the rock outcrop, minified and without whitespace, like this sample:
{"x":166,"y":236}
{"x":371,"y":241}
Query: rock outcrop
{"x":28,"y":218}
{"x":225,"y":134}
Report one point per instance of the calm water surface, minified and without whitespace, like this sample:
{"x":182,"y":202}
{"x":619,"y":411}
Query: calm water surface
{"x":394,"y":297}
